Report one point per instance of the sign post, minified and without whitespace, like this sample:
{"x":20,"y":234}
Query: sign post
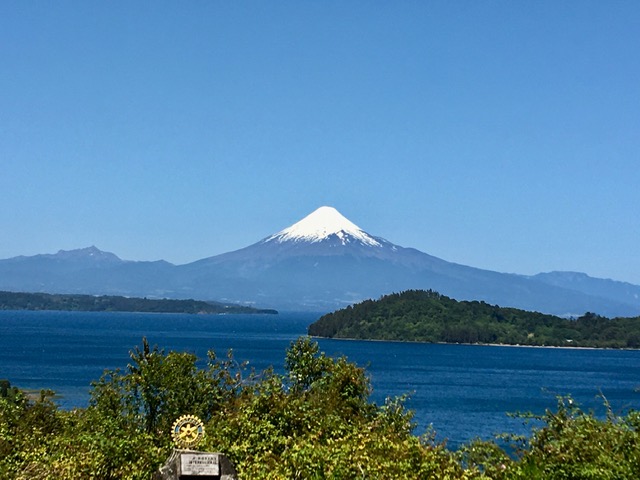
{"x":183,"y":464}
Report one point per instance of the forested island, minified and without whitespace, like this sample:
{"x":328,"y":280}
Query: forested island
{"x":110,"y":303}
{"x":427,"y":316}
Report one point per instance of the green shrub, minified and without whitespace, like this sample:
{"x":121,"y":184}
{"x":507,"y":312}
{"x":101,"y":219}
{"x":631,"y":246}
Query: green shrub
{"x":315,"y":421}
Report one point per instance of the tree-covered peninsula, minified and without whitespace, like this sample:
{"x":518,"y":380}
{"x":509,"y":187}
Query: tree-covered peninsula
{"x":427,"y":316}
{"x":110,"y":303}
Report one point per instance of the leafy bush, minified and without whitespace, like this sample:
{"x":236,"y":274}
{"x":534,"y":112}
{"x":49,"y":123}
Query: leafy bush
{"x":574,"y":444}
{"x":315,"y":421}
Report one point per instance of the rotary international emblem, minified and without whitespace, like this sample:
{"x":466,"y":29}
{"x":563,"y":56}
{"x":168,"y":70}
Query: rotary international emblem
{"x":187,"y":431}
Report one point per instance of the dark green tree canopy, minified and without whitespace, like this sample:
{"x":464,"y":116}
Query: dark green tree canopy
{"x":427,"y":316}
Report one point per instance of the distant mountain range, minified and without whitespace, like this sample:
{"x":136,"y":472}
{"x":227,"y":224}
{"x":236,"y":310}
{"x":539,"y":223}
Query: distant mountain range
{"x":320,"y":263}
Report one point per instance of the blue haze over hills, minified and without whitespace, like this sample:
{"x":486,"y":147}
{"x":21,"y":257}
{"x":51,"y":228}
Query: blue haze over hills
{"x":321,"y":263}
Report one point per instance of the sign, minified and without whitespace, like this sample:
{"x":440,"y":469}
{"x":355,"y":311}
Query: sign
{"x":187,"y":431}
{"x":199,"y":464}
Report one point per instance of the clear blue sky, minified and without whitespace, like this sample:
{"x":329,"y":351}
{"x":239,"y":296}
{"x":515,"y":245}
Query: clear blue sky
{"x":503,"y":135}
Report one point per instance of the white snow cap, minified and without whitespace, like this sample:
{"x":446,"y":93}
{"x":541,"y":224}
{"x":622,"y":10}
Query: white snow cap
{"x":322,"y":223}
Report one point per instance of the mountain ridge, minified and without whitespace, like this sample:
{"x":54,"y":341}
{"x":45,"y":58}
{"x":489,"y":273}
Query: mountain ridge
{"x":319,"y":263}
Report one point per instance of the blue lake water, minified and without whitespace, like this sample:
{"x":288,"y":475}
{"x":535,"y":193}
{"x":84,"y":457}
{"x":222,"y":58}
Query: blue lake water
{"x":464,"y":391}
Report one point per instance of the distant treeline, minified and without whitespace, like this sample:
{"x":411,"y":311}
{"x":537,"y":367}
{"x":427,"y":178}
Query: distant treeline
{"x":109,"y":303}
{"x":427,"y":316}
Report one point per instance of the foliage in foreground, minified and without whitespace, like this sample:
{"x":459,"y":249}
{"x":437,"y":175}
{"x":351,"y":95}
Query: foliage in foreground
{"x":313,"y":422}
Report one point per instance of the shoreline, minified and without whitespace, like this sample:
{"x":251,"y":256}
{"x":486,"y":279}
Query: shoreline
{"x":511,"y":345}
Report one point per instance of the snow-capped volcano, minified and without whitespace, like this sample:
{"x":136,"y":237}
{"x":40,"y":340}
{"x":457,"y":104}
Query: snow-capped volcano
{"x":323,"y":224}
{"x":320,"y":263}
